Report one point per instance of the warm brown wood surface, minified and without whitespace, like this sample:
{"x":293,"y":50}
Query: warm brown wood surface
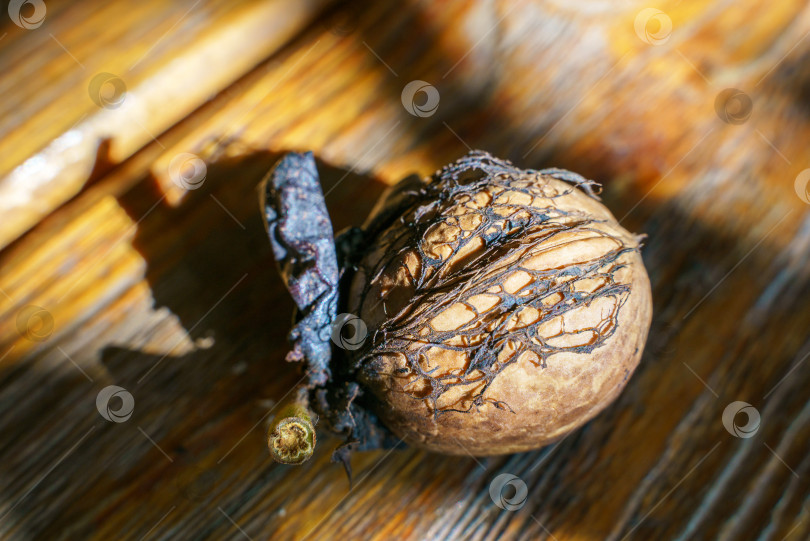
{"x":173,"y":296}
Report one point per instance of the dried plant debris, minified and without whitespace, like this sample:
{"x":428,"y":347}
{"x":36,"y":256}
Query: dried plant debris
{"x":504,"y":307}
{"x":301,"y":236}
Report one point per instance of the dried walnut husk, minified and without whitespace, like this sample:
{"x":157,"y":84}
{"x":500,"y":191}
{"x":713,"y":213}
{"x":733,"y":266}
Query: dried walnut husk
{"x":507,"y":308}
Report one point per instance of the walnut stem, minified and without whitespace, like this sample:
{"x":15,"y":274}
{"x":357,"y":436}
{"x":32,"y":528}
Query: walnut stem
{"x":291,"y":438}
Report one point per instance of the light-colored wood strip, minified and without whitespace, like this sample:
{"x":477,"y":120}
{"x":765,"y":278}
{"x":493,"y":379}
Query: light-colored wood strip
{"x":145,"y":91}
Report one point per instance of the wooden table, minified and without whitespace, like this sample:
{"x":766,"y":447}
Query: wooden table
{"x":113,"y":274}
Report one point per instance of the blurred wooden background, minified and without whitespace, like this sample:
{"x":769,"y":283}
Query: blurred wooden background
{"x":695,"y":117}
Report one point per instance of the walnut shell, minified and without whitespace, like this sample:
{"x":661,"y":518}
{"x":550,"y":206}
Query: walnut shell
{"x":506,"y":308}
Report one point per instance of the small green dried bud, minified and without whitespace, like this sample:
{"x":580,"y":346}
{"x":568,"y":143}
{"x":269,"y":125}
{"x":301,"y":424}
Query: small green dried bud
{"x":291,"y":438}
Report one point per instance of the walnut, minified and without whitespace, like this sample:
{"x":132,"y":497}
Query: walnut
{"x":508,"y":308}
{"x":504,"y":308}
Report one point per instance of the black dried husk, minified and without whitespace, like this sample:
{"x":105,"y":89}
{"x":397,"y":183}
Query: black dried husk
{"x":305,"y":250}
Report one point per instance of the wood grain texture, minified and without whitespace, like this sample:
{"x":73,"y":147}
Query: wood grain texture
{"x":172,"y":295}
{"x":142,"y":69}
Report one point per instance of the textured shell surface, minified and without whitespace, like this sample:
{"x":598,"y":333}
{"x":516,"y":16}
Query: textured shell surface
{"x":507,"y":307}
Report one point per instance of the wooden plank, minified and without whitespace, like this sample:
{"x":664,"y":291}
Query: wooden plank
{"x":113,"y":77}
{"x":173,"y":295}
